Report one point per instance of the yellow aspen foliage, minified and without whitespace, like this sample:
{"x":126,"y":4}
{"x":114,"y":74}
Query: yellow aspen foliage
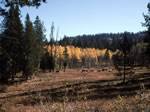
{"x":69,"y":51}
{"x":79,"y":53}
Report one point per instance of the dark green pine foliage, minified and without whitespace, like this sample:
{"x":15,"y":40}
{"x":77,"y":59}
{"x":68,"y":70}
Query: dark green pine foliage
{"x":19,"y":47}
{"x":11,"y":42}
{"x":30,"y":49}
{"x":51,"y":59}
{"x":48,"y":60}
{"x":147,"y":33}
{"x":51,"y":63}
{"x":40,"y":37}
{"x":8,"y":3}
{"x":44,"y":61}
{"x":125,"y":47}
{"x":66,"y":58}
{"x":123,"y":60}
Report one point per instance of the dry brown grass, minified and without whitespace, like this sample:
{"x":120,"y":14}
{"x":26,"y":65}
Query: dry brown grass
{"x":34,"y":95}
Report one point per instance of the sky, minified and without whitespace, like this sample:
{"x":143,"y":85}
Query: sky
{"x":78,"y":17}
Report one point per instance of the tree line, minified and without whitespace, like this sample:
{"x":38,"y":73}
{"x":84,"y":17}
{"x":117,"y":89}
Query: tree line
{"x":110,"y":41}
{"x":133,"y":48}
{"x":20,"y":45}
{"x":25,"y":50}
{"x":76,"y":57}
{"x":131,"y":55}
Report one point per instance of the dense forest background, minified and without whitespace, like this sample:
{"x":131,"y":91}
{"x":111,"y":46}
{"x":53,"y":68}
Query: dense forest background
{"x":25,"y":50}
{"x":109,"y":41}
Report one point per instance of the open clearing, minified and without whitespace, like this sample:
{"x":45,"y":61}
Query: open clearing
{"x":94,"y":87}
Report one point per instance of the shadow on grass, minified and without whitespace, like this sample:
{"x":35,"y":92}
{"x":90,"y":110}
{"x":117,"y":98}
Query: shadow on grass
{"x":90,"y":90}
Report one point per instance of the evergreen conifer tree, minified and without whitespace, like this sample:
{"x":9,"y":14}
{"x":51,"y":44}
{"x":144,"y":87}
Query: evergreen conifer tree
{"x":7,"y":3}
{"x":51,"y":59}
{"x":147,"y":33}
{"x":39,"y":33}
{"x":30,"y":48}
{"x":11,"y":41}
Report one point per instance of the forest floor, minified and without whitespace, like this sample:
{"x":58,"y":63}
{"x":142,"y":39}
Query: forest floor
{"x":73,"y":91}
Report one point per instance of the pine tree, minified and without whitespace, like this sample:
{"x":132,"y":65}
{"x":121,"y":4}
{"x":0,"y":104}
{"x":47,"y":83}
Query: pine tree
{"x":40,"y":37}
{"x":8,"y":3}
{"x":11,"y":41}
{"x":125,"y":48}
{"x":52,"y":38}
{"x":45,"y":61}
{"x":123,"y":59}
{"x":51,"y":59}
{"x":66,"y":58}
{"x":60,"y":55}
{"x":19,"y":47}
{"x":56,"y":48}
{"x":147,"y":33}
{"x":30,"y":49}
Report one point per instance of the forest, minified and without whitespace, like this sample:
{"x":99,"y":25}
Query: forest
{"x":35,"y":52}
{"x":26,"y":53}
